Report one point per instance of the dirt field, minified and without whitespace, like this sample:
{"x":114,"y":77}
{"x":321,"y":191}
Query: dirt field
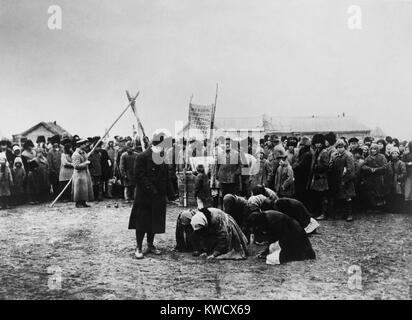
{"x":93,"y":251}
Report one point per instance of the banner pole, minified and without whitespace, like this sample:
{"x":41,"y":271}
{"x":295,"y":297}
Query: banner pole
{"x":185,"y":158}
{"x":97,"y":143}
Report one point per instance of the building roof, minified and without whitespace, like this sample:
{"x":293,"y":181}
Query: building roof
{"x":239,"y":123}
{"x":295,"y":125}
{"x":53,"y":127}
{"x":314,"y":124}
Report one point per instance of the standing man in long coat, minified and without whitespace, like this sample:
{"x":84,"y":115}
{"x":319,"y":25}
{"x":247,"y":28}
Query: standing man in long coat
{"x":82,"y":188}
{"x":148,"y":214}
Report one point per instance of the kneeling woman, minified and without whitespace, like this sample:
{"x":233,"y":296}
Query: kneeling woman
{"x":291,"y":241}
{"x":218,"y":234}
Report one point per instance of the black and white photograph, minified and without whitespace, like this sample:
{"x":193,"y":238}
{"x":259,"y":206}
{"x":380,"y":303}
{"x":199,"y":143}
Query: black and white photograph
{"x":222,"y":152}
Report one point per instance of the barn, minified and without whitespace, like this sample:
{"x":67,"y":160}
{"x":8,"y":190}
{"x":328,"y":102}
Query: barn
{"x":46,"y":129}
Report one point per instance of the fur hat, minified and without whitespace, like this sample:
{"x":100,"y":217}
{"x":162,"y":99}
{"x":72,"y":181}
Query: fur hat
{"x":41,"y":139}
{"x":28,"y":144}
{"x":367,"y":139}
{"x":55,"y":139}
{"x":353,"y":139}
{"x":318,"y":138}
{"x":4,"y":142}
{"x":274,"y":138}
{"x":374,"y":146}
{"x":331,"y":138}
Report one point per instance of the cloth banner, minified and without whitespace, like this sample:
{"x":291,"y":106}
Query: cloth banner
{"x":200,"y":118}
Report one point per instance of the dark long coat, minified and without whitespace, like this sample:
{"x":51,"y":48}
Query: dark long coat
{"x":152,"y":188}
{"x":275,"y":226}
{"x":301,"y":171}
{"x":345,"y":178}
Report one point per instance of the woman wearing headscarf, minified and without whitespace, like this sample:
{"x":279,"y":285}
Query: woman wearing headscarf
{"x":184,"y":231}
{"x":397,"y":170}
{"x":291,"y":207}
{"x":30,"y":165}
{"x":374,"y":169}
{"x":236,"y":206}
{"x":290,"y":240}
{"x":218,"y":234}
{"x":260,"y":169}
{"x":301,"y":170}
{"x":41,"y":175}
{"x":6,"y":182}
{"x":19,"y":175}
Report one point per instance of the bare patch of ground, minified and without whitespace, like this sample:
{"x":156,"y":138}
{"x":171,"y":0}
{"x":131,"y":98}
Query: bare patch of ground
{"x":93,"y":250}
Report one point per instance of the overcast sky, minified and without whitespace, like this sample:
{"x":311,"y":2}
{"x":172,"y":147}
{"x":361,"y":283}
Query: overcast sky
{"x":288,"y":57}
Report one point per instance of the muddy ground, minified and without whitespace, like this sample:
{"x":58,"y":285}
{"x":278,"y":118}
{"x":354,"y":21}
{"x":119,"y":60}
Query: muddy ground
{"x":67,"y":253}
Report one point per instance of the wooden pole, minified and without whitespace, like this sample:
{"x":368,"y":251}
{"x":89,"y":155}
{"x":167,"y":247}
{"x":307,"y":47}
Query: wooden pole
{"x":185,"y":157}
{"x":139,"y":123}
{"x":212,"y":144}
{"x":94,"y":147}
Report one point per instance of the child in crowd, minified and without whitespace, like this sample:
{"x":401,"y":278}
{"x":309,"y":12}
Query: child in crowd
{"x":19,"y":175}
{"x":6,"y":182}
{"x":284,"y":180}
{"x":202,"y":188}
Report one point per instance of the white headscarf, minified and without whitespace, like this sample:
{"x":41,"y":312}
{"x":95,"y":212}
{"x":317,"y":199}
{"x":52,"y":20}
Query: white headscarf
{"x":199,"y":221}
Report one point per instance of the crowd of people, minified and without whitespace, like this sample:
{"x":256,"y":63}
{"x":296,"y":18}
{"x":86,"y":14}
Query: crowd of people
{"x":325,"y":173}
{"x":251,"y":187}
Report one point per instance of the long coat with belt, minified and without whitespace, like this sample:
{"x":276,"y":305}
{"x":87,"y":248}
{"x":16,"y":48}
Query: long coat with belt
{"x":152,"y":188}
{"x":82,"y":189}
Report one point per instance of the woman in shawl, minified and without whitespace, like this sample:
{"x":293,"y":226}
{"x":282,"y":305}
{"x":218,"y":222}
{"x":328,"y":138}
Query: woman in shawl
{"x":66,"y":170}
{"x":397,"y":170}
{"x":236,"y":207}
{"x":6,"y":182}
{"x":218,"y":235}
{"x":19,"y":175}
{"x":41,"y":174}
{"x":284,"y":233}
{"x":30,"y":165}
{"x":374,"y":169}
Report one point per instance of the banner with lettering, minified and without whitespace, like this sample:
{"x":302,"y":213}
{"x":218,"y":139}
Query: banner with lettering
{"x":200,"y":118}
